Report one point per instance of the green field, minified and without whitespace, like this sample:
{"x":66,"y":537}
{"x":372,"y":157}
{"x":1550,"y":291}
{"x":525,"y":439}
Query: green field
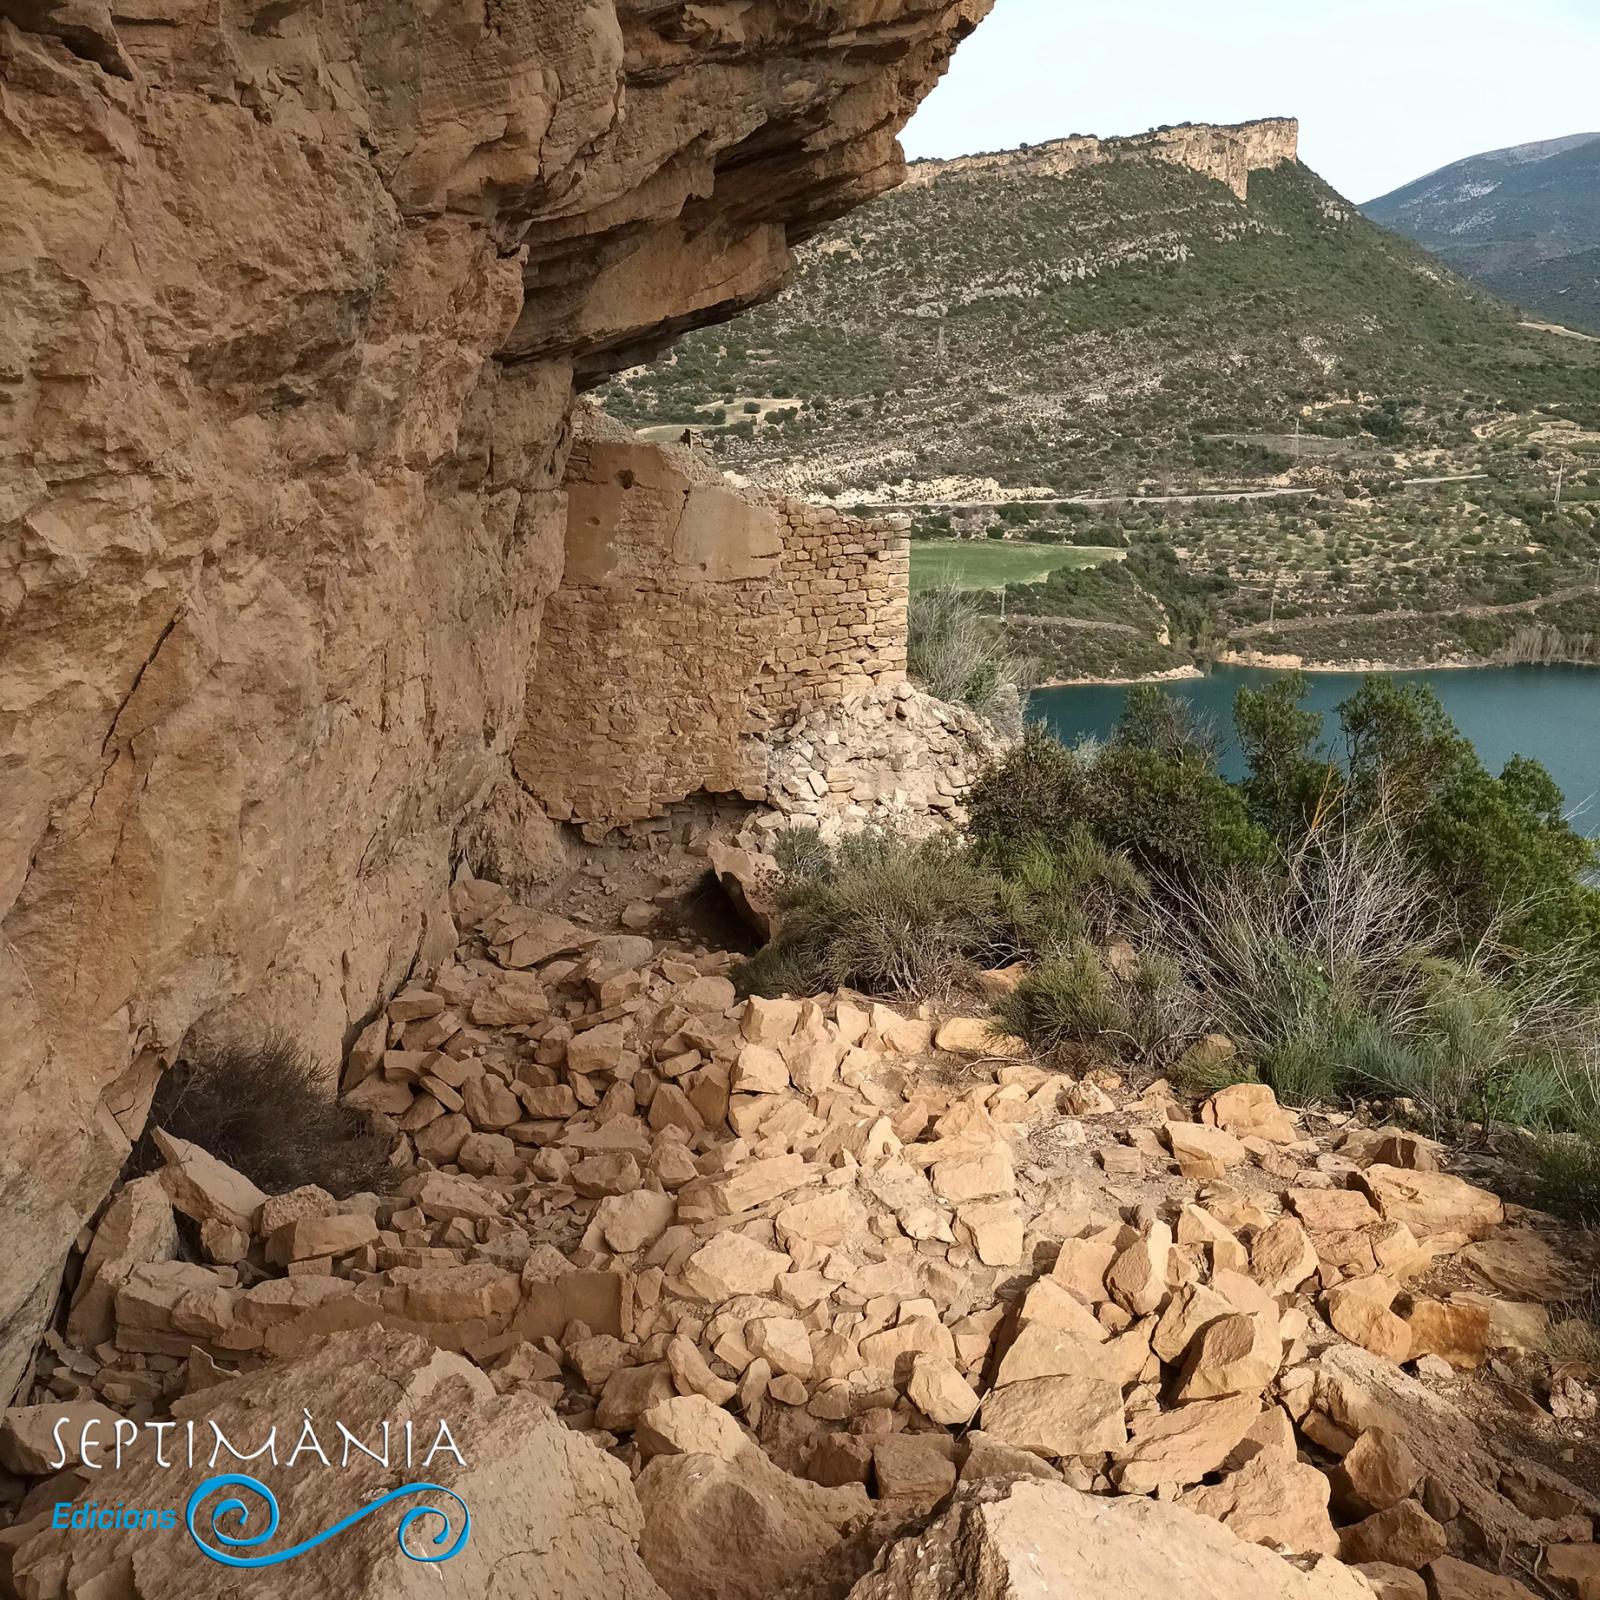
{"x":990,"y":563}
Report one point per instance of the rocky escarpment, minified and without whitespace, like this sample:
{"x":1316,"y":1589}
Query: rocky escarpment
{"x":296,"y":301}
{"x":1228,"y":152}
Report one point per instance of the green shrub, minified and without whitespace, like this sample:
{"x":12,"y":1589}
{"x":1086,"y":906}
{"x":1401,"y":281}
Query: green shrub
{"x":1289,"y":781}
{"x":778,"y":969}
{"x":1038,"y":791}
{"x":270,"y":1113}
{"x":1200,"y":1070}
{"x":1156,"y":720}
{"x":1293,"y":960}
{"x":1335,"y":976}
{"x":1506,"y":855}
{"x":1565,"y":1169}
{"x":883,"y":914}
{"x":1073,"y":996}
{"x":1056,"y":892}
{"x":1503,"y":856}
{"x":1067,"y":998}
{"x":1172,"y":816}
{"x":958,"y":654}
{"x":1459,"y":1056}
{"x":1167,"y":813}
{"x":1300,"y":1069}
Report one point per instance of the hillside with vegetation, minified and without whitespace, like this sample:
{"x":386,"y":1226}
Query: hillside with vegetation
{"x":1565,"y":288}
{"x":1129,"y":325}
{"x":1032,"y":358}
{"x":1370,"y":568}
{"x":1523,"y":221}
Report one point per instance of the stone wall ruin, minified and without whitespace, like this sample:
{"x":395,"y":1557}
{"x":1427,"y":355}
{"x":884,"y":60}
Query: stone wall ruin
{"x":690,"y":620}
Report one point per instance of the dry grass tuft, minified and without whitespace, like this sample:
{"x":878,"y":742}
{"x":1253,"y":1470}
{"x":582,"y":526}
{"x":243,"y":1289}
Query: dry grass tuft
{"x":266,"y":1110}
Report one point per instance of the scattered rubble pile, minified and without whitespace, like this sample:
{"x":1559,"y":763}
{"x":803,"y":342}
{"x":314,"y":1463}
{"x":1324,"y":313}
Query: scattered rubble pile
{"x":890,"y":756}
{"x":808,"y":1267}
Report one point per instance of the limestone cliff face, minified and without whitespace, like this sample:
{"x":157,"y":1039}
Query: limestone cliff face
{"x":1229,"y":153}
{"x":296,"y":298}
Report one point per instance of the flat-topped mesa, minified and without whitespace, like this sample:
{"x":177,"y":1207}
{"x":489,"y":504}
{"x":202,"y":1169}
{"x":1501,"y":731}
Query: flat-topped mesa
{"x":1227,"y":153}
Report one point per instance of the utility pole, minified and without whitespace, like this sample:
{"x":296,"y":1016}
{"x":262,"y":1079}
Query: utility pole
{"x":1272,"y":607}
{"x":1297,"y":441}
{"x":1561,"y":472}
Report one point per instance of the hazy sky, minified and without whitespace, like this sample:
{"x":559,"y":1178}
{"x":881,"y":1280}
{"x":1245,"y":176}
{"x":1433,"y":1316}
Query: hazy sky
{"x":1385,"y":89}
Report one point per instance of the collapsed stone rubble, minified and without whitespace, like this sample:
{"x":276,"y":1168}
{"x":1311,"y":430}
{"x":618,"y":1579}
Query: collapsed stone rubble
{"x":820,"y":1268}
{"x":891,"y":756}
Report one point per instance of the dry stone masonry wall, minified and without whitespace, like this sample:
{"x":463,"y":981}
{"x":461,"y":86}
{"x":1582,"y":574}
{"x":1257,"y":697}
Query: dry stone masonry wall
{"x":689,"y":622}
{"x":844,"y":630}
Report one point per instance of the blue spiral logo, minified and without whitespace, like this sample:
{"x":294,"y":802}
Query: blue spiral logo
{"x":234,"y":1510}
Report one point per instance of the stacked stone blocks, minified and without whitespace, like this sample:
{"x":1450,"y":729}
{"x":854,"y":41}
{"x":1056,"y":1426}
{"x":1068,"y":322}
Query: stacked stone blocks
{"x":690,"y":621}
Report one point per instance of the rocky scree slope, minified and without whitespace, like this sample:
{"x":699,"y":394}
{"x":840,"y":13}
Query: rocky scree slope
{"x":818,"y":1270}
{"x":1068,"y":320}
{"x":1523,"y":221}
{"x":297,"y":298}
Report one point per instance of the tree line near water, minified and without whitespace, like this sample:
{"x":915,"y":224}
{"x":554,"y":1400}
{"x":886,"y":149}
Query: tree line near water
{"x":1392,"y":922}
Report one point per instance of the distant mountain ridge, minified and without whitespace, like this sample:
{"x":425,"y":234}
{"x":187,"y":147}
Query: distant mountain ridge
{"x":1523,"y":221}
{"x":1086,"y":316}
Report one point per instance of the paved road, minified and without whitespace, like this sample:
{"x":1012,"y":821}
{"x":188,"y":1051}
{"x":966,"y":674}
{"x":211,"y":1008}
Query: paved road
{"x":1300,"y":624}
{"x":1070,"y":622}
{"x":1133,"y":499}
{"x":1085,"y":500}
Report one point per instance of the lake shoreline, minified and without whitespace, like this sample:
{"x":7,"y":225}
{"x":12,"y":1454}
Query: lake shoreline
{"x":1505,"y":710}
{"x":1457,"y":663}
{"x":1170,"y":675}
{"x":1292,"y":663}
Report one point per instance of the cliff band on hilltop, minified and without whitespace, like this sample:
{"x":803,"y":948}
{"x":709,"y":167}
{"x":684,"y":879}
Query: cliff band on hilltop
{"x":1227,"y":152}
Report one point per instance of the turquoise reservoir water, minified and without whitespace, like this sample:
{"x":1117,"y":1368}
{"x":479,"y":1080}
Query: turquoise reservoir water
{"x":1549,"y":713}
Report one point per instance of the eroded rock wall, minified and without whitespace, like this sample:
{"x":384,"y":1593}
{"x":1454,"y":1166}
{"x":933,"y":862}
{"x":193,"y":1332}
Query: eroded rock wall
{"x":1227,"y":152}
{"x":690,"y":620}
{"x":295,"y":299}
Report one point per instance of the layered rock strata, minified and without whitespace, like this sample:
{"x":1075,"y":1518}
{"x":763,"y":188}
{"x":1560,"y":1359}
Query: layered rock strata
{"x":1227,"y":152}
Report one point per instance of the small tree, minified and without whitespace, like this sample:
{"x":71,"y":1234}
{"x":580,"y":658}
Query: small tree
{"x":1290,"y":781}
